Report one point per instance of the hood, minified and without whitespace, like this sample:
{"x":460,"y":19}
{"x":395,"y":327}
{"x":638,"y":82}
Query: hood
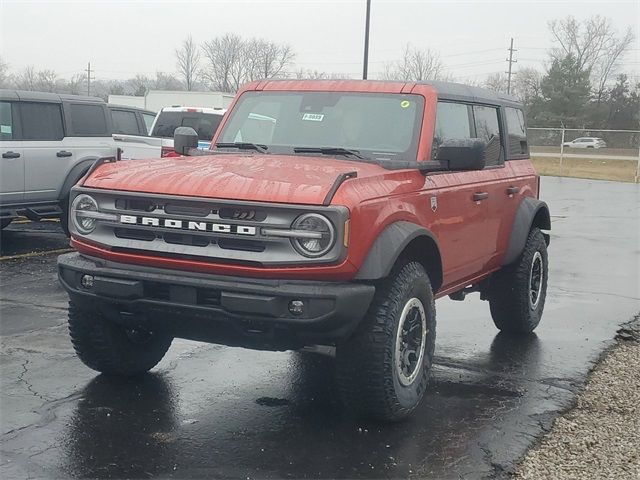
{"x":251,"y":177}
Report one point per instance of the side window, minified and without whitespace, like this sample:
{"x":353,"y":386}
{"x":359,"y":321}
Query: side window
{"x":452,"y":122}
{"x":517,"y":134}
{"x":124,"y":122}
{"x":41,"y":121}
{"x":488,"y":129}
{"x":6,"y":121}
{"x":148,"y":121}
{"x":88,"y":120}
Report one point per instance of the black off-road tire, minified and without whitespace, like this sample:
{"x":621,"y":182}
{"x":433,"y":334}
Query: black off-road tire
{"x":366,"y":374}
{"x":510,"y":299}
{"x":109,"y":348}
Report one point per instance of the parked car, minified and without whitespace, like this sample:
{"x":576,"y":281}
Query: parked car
{"x":159,"y":143}
{"x":131,"y":120}
{"x":586,"y":142}
{"x":48,"y":142}
{"x":327,"y":213}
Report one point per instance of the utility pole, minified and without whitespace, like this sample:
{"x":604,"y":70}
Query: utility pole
{"x":88,"y":78}
{"x":511,"y":62}
{"x":365,"y":66}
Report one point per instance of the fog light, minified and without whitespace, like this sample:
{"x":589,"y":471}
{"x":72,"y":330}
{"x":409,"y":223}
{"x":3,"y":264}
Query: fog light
{"x":86,"y":281}
{"x":296,"y":307}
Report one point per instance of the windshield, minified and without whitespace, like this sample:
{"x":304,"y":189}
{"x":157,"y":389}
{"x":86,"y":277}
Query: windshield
{"x":377,"y":126}
{"x":205,"y":124}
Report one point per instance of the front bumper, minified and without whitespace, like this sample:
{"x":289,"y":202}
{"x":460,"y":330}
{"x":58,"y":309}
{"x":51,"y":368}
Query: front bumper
{"x":234,"y":311}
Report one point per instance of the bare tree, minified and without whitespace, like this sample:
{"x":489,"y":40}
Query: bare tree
{"x":594,"y":43}
{"x":232,"y":61}
{"x":188,"y":62}
{"x":166,"y":81}
{"x":47,"y":80}
{"x":308,"y":74}
{"x":5,"y":74}
{"x":139,"y":85}
{"x":526,"y":84}
{"x":266,"y":59}
{"x":223,"y":55}
{"x":496,"y":82}
{"x":27,"y":79}
{"x":415,"y":65}
{"x":77,"y":84}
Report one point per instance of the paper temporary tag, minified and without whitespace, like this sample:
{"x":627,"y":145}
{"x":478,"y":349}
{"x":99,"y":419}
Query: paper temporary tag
{"x":5,"y":128}
{"x":313,"y":117}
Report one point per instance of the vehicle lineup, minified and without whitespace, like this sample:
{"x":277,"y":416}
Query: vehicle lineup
{"x":327,"y":213}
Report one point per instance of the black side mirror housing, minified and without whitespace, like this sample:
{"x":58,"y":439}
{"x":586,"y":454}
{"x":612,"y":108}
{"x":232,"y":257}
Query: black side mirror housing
{"x":463,"y":154}
{"x":184,"y":139}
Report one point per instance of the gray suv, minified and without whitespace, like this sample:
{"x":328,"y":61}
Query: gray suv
{"x":47,"y":142}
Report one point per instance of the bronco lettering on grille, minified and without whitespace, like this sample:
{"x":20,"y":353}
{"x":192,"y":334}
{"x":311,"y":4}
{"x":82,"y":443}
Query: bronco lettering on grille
{"x":196,"y":226}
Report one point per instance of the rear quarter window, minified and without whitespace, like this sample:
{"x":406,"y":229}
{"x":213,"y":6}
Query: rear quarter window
{"x":517,"y":141}
{"x":88,"y":120}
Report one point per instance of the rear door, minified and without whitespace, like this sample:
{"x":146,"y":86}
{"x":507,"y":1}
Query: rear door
{"x":12,"y":160}
{"x":45,"y":153}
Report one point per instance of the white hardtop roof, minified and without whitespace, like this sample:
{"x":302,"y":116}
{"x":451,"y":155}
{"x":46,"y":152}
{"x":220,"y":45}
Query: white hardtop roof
{"x":177,"y":108}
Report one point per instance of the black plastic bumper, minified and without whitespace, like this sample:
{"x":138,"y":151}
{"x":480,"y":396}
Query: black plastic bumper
{"x":236,"y":311}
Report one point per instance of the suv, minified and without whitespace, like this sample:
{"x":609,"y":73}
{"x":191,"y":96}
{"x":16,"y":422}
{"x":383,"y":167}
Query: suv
{"x":48,"y":142}
{"x":344,"y":211}
{"x":586,"y":142}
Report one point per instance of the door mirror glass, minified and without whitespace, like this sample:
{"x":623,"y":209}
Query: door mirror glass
{"x":463,"y":154}
{"x":184,"y":139}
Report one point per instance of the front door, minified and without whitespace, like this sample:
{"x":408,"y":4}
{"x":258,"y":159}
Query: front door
{"x":12,"y":156}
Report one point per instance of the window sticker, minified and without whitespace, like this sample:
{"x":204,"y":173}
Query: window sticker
{"x":5,"y":128}
{"x":313,"y":117}
{"x":405,"y":103}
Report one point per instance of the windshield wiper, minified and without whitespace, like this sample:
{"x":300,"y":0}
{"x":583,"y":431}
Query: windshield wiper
{"x":330,"y":151}
{"x":244,"y":146}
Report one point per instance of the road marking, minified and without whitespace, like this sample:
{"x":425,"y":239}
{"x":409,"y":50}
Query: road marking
{"x":36,"y":254}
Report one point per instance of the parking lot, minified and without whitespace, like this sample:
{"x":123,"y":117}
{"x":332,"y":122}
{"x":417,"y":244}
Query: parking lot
{"x":209,"y":411}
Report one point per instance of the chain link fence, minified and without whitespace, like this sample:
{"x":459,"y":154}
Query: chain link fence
{"x":600,"y":154}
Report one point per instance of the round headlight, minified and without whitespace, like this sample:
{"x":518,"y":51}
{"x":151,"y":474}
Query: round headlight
{"x":318,"y":244}
{"x":81,"y":206}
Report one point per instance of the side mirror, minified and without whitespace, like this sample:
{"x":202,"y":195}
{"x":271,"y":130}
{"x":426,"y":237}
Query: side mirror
{"x":184,"y":139}
{"x":463,"y":154}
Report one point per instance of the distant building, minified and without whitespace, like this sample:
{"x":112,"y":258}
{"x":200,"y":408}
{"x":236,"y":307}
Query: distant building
{"x":154,"y":100}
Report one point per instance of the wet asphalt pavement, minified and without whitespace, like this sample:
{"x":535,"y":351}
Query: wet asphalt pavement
{"x":214,"y":412}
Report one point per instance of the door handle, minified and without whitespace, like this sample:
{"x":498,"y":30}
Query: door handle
{"x":513,"y":190}
{"x":10,"y":155}
{"x":63,"y":153}
{"x":477,"y":197}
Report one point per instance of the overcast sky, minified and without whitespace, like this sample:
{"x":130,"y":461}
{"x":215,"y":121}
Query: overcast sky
{"x":122,"y":38}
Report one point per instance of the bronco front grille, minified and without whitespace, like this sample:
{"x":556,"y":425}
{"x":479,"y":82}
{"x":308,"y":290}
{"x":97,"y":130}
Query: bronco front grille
{"x":190,"y":228}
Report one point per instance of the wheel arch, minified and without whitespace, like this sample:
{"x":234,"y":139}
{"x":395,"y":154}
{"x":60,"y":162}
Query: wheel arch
{"x":531,"y":213}
{"x":75,"y":174}
{"x":405,"y":240}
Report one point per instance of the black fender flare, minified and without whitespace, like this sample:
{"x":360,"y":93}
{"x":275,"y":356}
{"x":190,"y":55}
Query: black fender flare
{"x":531,"y":212}
{"x":75,"y":174}
{"x":389,"y":245}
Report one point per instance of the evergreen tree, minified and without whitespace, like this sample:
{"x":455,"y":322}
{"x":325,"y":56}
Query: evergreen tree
{"x":565,"y":93}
